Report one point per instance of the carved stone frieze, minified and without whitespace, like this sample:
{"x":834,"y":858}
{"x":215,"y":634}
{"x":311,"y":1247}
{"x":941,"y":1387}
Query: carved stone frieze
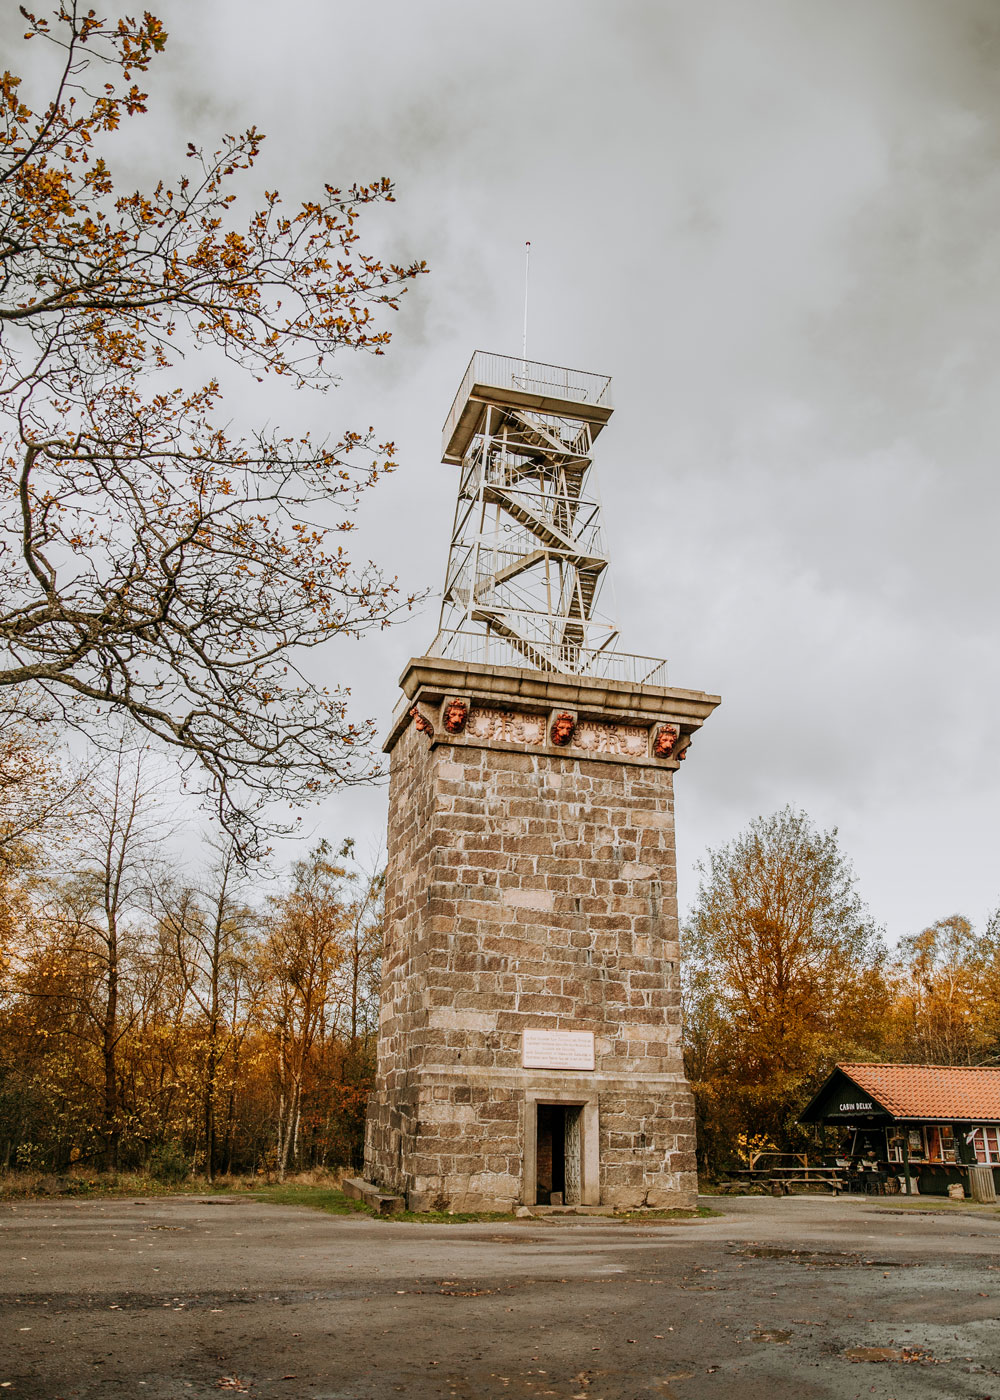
{"x":505,"y":726}
{"x":629,"y":739}
{"x":517,"y":727}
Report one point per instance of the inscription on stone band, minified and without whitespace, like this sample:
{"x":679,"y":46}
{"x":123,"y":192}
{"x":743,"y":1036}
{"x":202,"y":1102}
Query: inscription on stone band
{"x":629,"y":739}
{"x":557,"y":1050}
{"x":507,"y":726}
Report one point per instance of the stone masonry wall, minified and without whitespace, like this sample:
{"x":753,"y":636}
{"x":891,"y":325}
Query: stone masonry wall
{"x":527,"y":890}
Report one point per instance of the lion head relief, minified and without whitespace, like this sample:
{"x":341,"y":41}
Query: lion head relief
{"x":562,"y":728}
{"x":456,"y":712}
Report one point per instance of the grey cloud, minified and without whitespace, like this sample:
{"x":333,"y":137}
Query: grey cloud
{"x":776,"y":225}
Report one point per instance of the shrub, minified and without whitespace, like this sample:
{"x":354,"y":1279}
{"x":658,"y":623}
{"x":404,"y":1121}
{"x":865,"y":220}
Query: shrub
{"x":167,"y":1163}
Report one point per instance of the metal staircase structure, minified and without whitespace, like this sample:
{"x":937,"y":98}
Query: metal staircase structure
{"x":527,"y":559}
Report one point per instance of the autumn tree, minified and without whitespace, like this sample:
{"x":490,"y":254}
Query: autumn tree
{"x":35,"y":796}
{"x":154,"y":562}
{"x":303,"y":952}
{"x":351,"y":1052}
{"x":784,"y":975}
{"x":360,"y":974}
{"x":98,"y":925}
{"x":947,"y":994}
{"x":39,"y":792}
{"x":209,"y":928}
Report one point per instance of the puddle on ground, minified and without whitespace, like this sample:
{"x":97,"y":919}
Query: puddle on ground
{"x":825,"y":1259}
{"x":913,"y":1355}
{"x":509,"y":1239}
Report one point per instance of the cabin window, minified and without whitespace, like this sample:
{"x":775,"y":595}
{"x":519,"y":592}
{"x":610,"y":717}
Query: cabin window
{"x":915,"y":1137}
{"x":894,"y":1142}
{"x":986,"y":1144}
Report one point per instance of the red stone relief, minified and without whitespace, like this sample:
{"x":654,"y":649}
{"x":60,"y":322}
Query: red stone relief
{"x":422,"y":722}
{"x":455,"y":715}
{"x":663,"y":744}
{"x":562,"y":728}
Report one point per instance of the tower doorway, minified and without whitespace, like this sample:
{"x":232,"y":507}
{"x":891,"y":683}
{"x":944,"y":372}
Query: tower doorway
{"x":561,"y":1148}
{"x":558,"y":1149}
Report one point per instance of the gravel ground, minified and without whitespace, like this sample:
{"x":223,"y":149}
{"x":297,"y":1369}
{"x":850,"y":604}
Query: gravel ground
{"x":774,"y":1300}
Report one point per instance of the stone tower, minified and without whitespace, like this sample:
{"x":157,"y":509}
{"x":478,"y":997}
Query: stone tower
{"x":529,"y":1047}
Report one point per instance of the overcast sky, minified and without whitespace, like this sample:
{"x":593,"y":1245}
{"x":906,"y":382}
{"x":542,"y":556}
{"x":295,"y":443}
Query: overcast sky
{"x":775,"y":224}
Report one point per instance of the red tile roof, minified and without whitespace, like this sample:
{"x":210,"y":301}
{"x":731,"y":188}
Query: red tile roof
{"x":931,"y":1091}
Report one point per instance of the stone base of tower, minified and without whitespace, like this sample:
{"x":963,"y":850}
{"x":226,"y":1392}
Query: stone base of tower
{"x":475,"y":1147}
{"x":530,"y":1039}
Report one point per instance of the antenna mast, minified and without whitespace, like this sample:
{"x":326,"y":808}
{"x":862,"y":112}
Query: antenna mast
{"x":524,"y":338}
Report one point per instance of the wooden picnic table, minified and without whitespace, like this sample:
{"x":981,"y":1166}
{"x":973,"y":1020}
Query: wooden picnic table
{"x":811,"y":1176}
{"x":797,"y":1173}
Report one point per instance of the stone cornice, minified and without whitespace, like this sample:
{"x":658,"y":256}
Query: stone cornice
{"x":429,"y":681}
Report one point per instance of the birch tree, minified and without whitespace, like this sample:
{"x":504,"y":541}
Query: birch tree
{"x":302,"y":952}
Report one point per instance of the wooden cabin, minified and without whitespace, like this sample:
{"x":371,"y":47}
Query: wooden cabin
{"x":922,"y":1126}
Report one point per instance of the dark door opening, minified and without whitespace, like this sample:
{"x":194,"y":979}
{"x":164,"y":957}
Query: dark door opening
{"x":557,"y":1155}
{"x":551,"y":1152}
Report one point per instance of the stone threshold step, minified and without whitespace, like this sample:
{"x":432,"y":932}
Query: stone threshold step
{"x":381,"y":1201}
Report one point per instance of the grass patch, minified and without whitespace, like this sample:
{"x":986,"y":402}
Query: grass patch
{"x":444,"y":1217}
{"x":20,"y":1185}
{"x":334,"y":1202}
{"x":699,"y":1213}
{"x":325,"y":1198}
{"x":316,"y":1190}
{"x":31,"y":1186}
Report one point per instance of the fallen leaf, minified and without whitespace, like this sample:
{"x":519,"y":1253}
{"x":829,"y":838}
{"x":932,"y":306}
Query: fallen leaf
{"x":920,"y":1355}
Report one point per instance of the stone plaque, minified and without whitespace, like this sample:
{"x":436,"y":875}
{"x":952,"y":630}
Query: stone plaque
{"x":558,"y":1050}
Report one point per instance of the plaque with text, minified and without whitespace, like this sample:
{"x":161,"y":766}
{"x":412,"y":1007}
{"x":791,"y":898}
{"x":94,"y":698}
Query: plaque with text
{"x":557,"y":1050}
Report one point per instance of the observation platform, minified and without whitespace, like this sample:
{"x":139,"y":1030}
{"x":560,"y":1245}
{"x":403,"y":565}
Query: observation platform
{"x":507,"y":381}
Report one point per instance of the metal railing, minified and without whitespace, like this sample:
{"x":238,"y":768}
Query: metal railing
{"x":486,"y":648}
{"x":531,"y":377}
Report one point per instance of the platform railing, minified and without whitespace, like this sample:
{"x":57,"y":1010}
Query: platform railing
{"x":530,"y":377}
{"x":488,"y":649}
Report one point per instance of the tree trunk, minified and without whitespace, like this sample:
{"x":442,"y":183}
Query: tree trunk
{"x":210,"y":1074}
{"x":110,"y":1124}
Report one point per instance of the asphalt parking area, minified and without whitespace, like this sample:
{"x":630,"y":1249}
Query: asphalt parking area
{"x":774,"y":1300}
